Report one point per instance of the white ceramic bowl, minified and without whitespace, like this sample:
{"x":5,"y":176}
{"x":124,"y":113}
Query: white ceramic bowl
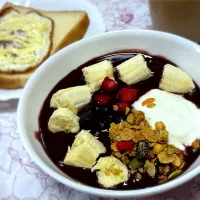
{"x":183,"y":52}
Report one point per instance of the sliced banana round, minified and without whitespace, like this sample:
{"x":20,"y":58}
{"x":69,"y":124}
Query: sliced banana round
{"x":111,"y":171}
{"x":134,"y":70}
{"x":95,"y":74}
{"x":63,"y":119}
{"x":176,"y":80}
{"x":73,"y":98}
{"x":84,"y":151}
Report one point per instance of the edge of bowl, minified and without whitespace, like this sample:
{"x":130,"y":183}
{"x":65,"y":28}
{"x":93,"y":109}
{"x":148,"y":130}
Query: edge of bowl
{"x":78,"y":186}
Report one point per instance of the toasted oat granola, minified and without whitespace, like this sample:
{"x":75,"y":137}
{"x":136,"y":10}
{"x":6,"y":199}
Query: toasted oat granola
{"x":148,"y":151}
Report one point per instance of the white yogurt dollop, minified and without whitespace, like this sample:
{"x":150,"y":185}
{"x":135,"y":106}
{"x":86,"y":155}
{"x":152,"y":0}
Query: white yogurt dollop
{"x":180,"y":116}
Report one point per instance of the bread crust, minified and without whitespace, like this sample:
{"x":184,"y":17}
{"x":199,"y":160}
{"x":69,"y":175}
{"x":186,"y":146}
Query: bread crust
{"x":14,"y":80}
{"x":72,"y":36}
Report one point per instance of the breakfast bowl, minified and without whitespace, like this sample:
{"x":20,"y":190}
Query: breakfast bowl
{"x":35,"y":101}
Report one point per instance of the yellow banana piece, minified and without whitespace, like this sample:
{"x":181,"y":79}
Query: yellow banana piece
{"x":84,"y":151}
{"x":95,"y":74}
{"x":111,"y":171}
{"x":63,"y":119}
{"x":133,"y":70}
{"x":176,"y":80}
{"x":73,"y":98}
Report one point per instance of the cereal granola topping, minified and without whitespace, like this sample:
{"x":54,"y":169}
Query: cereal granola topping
{"x":144,"y":150}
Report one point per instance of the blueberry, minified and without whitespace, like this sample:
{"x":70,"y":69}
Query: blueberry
{"x":102,"y":109}
{"x":119,"y":119}
{"x":103,"y":121}
{"x":86,"y":120}
{"x":101,"y":125}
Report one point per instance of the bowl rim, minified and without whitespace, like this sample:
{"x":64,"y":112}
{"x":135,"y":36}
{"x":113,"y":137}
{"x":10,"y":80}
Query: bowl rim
{"x":79,"y":186}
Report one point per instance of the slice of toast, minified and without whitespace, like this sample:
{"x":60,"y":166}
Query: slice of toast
{"x":69,"y":26}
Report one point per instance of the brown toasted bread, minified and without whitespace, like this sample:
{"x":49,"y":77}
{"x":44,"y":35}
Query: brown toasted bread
{"x":73,"y":29}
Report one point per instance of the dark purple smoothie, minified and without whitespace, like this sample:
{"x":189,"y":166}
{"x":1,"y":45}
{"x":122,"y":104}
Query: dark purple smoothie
{"x":98,"y":118}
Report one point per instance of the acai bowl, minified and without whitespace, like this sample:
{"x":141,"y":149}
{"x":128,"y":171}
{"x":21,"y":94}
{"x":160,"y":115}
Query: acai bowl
{"x":116,"y":115}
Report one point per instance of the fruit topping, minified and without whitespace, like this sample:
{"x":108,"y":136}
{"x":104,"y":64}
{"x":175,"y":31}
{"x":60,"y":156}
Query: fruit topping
{"x":84,"y":150}
{"x":74,"y":98}
{"x":102,"y":117}
{"x":133,"y":70}
{"x":125,"y":146}
{"x":111,"y":171}
{"x":176,"y":80}
{"x":63,"y":119}
{"x":95,"y":74}
{"x":121,"y":106}
{"x":127,"y":94}
{"x":109,"y":85}
{"x":102,"y":98}
{"x":86,"y":118}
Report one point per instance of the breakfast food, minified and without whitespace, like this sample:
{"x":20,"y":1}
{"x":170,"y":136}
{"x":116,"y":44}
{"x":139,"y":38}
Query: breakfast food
{"x":176,"y":80}
{"x":84,"y":151}
{"x":148,"y":146}
{"x":111,"y":171}
{"x":18,"y":51}
{"x":95,"y":74}
{"x":29,"y":36}
{"x":134,"y":131}
{"x":134,"y":70}
{"x":73,"y":98}
{"x":170,"y":112}
{"x":63,"y":119}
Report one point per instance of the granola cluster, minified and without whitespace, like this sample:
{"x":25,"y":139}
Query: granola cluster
{"x":145,"y":150}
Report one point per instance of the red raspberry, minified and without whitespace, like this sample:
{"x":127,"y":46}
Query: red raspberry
{"x":125,"y":146}
{"x":102,"y":98}
{"x":109,"y":85}
{"x":127,"y":94}
{"x":122,"y":106}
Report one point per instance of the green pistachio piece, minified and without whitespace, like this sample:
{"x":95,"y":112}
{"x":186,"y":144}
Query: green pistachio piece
{"x":135,"y":163}
{"x":175,"y":174}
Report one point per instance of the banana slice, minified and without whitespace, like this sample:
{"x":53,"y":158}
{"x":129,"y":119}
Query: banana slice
{"x":134,"y":70}
{"x":63,"y":119}
{"x":111,"y":171}
{"x":176,"y":80}
{"x":84,"y":151}
{"x":94,"y":74}
{"x":73,"y":98}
